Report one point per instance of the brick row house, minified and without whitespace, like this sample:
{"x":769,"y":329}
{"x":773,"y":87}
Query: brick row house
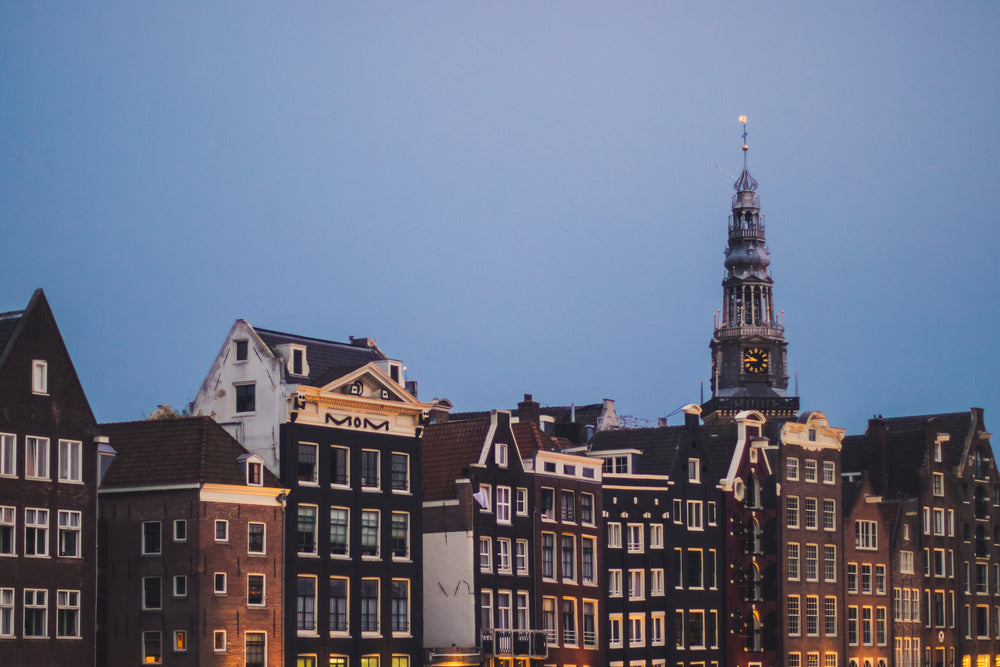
{"x":513,"y":569}
{"x":48,"y":496}
{"x":191,"y":566}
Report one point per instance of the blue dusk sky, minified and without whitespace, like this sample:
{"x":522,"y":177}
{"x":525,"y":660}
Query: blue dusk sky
{"x":510,"y":197}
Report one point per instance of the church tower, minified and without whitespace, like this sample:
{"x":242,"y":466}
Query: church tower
{"x":749,"y":351}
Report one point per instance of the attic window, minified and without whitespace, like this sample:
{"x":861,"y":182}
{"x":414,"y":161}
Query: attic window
{"x":39,"y":377}
{"x":500,"y":454}
{"x":241,"y":350}
{"x":357,"y":388}
{"x":297,"y":362}
{"x":394,"y":373}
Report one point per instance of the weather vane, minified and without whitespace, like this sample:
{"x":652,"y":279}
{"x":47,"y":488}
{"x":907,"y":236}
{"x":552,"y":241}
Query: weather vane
{"x":743,"y":119}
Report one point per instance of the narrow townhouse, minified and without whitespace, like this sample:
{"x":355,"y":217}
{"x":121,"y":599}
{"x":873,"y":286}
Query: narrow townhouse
{"x":341,"y":427}
{"x":49,"y":466}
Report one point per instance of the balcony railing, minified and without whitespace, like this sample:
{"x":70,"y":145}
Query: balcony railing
{"x":729,"y":330}
{"x":589,"y":638}
{"x":515,"y":643}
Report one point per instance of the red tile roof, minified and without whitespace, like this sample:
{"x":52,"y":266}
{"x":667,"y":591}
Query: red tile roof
{"x":189,"y":450}
{"x":447,"y":449}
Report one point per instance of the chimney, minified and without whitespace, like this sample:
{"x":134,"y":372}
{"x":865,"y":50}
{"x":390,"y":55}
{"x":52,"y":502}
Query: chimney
{"x":528,"y":410}
{"x":362,"y":342}
{"x":878,"y":462}
{"x":661,"y":422}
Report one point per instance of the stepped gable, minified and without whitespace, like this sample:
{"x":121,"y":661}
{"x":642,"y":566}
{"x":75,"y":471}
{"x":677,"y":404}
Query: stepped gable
{"x":658,"y":446}
{"x":448,"y":448}
{"x":323,"y":355}
{"x":906,"y":446}
{"x":192,"y":450}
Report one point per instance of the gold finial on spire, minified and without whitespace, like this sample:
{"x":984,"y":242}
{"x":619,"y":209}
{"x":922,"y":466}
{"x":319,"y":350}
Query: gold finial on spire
{"x":746,"y":147}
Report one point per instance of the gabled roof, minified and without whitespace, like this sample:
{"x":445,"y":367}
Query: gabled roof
{"x":188,"y":450}
{"x":906,"y":442}
{"x":324,"y":355}
{"x":531,"y":439}
{"x":658,"y":446}
{"x":448,"y":449}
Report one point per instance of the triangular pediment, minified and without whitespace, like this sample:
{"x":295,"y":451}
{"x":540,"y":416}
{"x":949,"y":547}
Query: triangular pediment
{"x":367,"y":382}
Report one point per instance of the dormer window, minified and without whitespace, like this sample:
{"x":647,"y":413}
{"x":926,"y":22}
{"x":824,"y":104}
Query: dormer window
{"x":39,"y":377}
{"x":242,"y":349}
{"x":253,"y":469}
{"x":297,"y":361}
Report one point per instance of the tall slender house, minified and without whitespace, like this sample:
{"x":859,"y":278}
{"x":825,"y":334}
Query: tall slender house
{"x":749,"y":351}
{"x":48,"y":496}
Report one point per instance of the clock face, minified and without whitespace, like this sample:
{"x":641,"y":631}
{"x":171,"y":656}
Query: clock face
{"x":755,"y":360}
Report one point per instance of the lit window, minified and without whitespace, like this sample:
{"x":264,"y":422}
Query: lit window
{"x":255,"y":590}
{"x":152,"y":648}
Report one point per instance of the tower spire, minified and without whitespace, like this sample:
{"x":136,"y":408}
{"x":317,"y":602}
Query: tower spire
{"x":749,"y":366}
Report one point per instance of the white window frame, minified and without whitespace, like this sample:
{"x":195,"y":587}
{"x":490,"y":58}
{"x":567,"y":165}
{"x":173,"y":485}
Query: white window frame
{"x":8,"y":523}
{"x":521,"y":556}
{"x":392,"y":472}
{"x":224,"y":525}
{"x":263,"y":590}
{"x":263,"y":550}
{"x":521,"y":508}
{"x":69,"y":522}
{"x":503,"y":504}
{"x":637,"y":630}
{"x":366,"y":484}
{"x":694,"y":471}
{"x":220,"y":583}
{"x":635,"y":538}
{"x":179,"y":588}
{"x":810,"y":470}
{"x":656,"y":536}
{"x":369,"y":512}
{"x":36,"y":520}
{"x":614,"y":535}
{"x":39,"y":377}
{"x":71,"y":461}
{"x":614,"y":583}
{"x":220,"y":644}
{"x":180,"y":536}
{"x":147,"y":605}
{"x":6,"y":612}
{"x":503,"y":556}
{"x":151,"y":549}
{"x":637,"y":584}
{"x":68,"y":603}
{"x":8,"y":455}
{"x":36,"y":458}
{"x":500,"y":454}
{"x":485,"y":554}
{"x":657,"y":582}
{"x":792,"y":469}
{"x":829,"y":472}
{"x":695,"y":515}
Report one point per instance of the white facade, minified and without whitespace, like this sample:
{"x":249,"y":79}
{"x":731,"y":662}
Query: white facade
{"x":450,"y":604}
{"x":256,"y":429}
